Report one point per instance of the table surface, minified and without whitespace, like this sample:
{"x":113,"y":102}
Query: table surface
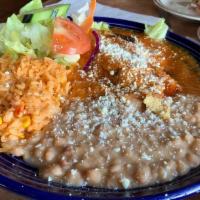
{"x":178,"y":25}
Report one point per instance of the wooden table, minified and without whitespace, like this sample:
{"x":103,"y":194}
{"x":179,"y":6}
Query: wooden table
{"x":183,"y":27}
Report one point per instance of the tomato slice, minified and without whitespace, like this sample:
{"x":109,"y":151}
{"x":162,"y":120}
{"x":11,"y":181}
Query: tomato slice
{"x":69,"y":38}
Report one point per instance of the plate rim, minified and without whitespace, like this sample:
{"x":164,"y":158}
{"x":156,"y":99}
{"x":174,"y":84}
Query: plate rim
{"x":186,"y":191}
{"x":159,"y":4}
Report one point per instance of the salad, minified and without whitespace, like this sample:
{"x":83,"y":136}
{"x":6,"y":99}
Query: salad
{"x":46,"y":32}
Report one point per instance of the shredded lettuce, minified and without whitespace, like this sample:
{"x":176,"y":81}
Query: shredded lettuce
{"x":157,"y":31}
{"x":26,"y":39}
{"x":67,"y":60}
{"x":32,"y":5}
{"x":39,"y":37}
{"x":101,"y":26}
{"x":1,"y":25}
{"x":33,"y":39}
{"x":11,"y":41}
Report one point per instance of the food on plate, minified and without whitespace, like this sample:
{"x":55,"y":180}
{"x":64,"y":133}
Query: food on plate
{"x":95,"y":105}
{"x":45,"y":13}
{"x":157,"y":31}
{"x":34,"y":12}
{"x":31,"y":94}
{"x":195,"y":5}
{"x":69,"y":38}
{"x":101,"y":26}
{"x":32,"y":5}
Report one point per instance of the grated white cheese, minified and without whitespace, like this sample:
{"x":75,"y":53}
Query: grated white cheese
{"x":73,"y":172}
{"x":141,"y":58}
{"x":125,"y":182}
{"x":7,"y":73}
{"x":91,"y":149}
{"x":112,"y":72}
{"x":50,"y":178}
{"x":146,"y":156}
{"x":117,"y":150}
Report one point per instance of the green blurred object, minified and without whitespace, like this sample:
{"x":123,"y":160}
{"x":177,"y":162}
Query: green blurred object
{"x":43,"y":14}
{"x":101,"y":26}
{"x":32,"y":5}
{"x":26,"y":39}
{"x":157,"y":31}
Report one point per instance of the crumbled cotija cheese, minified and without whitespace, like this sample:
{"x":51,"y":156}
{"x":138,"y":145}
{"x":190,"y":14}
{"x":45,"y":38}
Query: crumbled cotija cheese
{"x":121,"y":118}
{"x":125,"y":182}
{"x":141,"y":58}
{"x":73,"y":172}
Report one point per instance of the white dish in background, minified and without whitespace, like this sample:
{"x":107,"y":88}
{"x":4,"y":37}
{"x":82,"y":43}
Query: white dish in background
{"x":198,"y":33}
{"x":179,"y":8}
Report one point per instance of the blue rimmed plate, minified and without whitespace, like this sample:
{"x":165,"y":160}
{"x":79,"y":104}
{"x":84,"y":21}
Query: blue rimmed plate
{"x":17,"y":176}
{"x":180,"y":8}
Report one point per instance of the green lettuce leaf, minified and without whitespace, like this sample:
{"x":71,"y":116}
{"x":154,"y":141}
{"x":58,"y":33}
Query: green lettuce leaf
{"x":26,"y":39}
{"x":11,"y":40}
{"x":101,"y":26}
{"x":1,"y":45}
{"x":67,"y":60}
{"x":157,"y":31}
{"x":39,"y":37}
{"x":32,"y":5}
{"x":2,"y":25}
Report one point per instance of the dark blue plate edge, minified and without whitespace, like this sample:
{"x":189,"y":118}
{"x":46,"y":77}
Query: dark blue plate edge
{"x":189,"y":190}
{"x":28,"y":191}
{"x":177,"y":39}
